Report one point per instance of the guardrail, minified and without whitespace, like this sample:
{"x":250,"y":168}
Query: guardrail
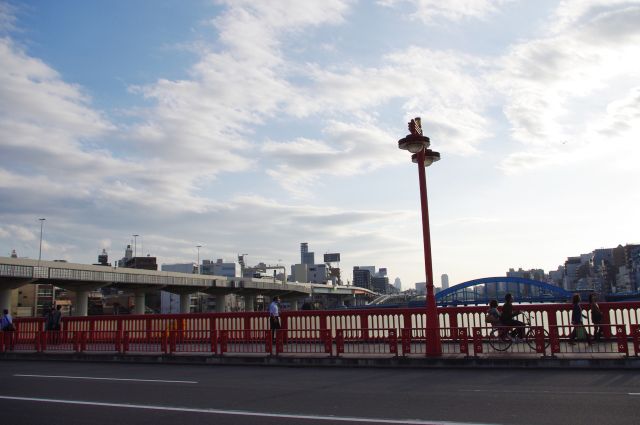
{"x":242,"y":333}
{"x":483,"y":341}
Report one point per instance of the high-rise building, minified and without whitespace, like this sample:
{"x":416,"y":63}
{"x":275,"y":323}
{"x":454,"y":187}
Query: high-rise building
{"x":318,"y":273}
{"x":444,"y":281}
{"x":362,"y":277}
{"x":299,"y":273}
{"x":571,"y":273}
{"x":380,"y":284}
{"x":306,"y":257}
{"x":421,"y":288}
{"x":632,"y":262}
{"x":398,"y":284}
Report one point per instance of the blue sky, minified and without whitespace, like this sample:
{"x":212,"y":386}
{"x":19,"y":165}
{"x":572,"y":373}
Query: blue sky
{"x":251,"y":126}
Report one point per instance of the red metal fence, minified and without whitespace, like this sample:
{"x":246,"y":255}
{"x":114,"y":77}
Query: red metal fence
{"x":387,"y":332}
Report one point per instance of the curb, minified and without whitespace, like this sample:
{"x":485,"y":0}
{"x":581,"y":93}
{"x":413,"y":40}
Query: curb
{"x":347,"y":362}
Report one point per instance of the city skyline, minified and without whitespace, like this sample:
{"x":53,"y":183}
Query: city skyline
{"x":249,"y":127}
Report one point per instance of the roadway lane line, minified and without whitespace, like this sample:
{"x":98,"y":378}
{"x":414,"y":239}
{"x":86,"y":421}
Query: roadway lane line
{"x":105,"y":379}
{"x":551,"y":392}
{"x":238,"y":412}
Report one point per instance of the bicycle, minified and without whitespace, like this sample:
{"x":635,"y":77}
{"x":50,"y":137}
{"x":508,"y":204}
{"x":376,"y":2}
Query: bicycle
{"x":501,"y":339}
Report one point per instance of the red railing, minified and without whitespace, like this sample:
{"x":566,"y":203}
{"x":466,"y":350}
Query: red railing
{"x":313,"y":331}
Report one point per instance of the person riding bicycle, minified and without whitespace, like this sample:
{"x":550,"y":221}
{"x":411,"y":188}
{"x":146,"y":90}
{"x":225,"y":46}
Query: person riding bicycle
{"x":493,"y":315}
{"x":507,"y":318}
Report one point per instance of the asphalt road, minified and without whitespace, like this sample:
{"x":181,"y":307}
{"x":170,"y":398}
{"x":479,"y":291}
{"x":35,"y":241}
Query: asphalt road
{"x":86,"y":393}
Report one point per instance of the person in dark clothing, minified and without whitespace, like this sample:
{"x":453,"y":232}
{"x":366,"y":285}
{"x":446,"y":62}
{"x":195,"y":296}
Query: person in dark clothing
{"x":578,"y":332}
{"x":6,"y":322}
{"x":48,"y":319}
{"x":8,"y":329}
{"x":507,"y":318}
{"x":596,"y":317}
{"x":56,"y":318}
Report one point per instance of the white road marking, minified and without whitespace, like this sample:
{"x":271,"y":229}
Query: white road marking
{"x":634,"y":393}
{"x":238,"y":412}
{"x":543,"y":392}
{"x":105,"y":379}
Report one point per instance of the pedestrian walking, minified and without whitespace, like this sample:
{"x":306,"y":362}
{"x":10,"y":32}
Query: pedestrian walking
{"x":596,"y":317}
{"x":274,"y":317}
{"x":578,"y":332}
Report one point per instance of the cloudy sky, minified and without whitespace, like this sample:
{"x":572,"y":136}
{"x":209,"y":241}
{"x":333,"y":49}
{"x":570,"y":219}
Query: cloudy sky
{"x":251,"y":126}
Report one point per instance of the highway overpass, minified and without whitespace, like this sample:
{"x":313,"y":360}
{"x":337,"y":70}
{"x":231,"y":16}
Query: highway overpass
{"x":83,"y":278}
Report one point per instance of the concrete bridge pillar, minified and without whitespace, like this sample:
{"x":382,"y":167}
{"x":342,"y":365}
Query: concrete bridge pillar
{"x":139,"y":302}
{"x":249,"y":302}
{"x":221,"y":303}
{"x":5,"y":299}
{"x":7,"y":285}
{"x":294,"y":305}
{"x":185,"y":303}
{"x":82,"y":303}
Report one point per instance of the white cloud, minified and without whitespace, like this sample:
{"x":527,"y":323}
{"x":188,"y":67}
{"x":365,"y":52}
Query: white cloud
{"x":210,"y":119}
{"x":7,"y":17}
{"x":205,"y":125}
{"x":557,"y":87}
{"x":347,"y":150}
{"x":17,"y":232}
{"x":571,"y":13}
{"x":431,"y":11}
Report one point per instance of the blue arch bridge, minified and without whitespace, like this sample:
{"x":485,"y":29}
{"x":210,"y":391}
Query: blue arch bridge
{"x":481,"y":291}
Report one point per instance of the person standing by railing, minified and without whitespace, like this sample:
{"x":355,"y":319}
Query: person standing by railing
{"x":274,"y":317}
{"x":596,"y":317}
{"x":6,"y":323}
{"x":8,"y":328}
{"x":52,"y":324}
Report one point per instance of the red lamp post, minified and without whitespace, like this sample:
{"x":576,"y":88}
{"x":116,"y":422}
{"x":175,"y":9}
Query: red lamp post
{"x":418,"y":145}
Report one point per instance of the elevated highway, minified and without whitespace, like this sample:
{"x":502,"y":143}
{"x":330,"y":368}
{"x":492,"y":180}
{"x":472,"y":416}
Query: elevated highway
{"x":83,"y":278}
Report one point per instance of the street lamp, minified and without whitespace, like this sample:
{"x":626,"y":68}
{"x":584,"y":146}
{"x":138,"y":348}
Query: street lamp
{"x":198,"y":263}
{"x":135,"y":245}
{"x":41,"y":226}
{"x":418,"y":145}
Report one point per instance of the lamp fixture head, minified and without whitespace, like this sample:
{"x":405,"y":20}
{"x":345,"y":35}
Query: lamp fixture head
{"x":415,"y":140}
{"x":429,"y":157}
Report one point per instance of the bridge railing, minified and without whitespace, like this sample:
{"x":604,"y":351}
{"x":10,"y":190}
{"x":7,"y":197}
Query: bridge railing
{"x":364,"y":324}
{"x":546,"y":315}
{"x":347,"y":342}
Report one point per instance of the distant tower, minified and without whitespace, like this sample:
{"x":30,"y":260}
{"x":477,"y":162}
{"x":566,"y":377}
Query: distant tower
{"x":306,"y":257}
{"x":103,"y":258}
{"x":128,"y":253}
{"x":14,"y":254}
{"x":444,"y":279}
{"x":398,"y":284}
